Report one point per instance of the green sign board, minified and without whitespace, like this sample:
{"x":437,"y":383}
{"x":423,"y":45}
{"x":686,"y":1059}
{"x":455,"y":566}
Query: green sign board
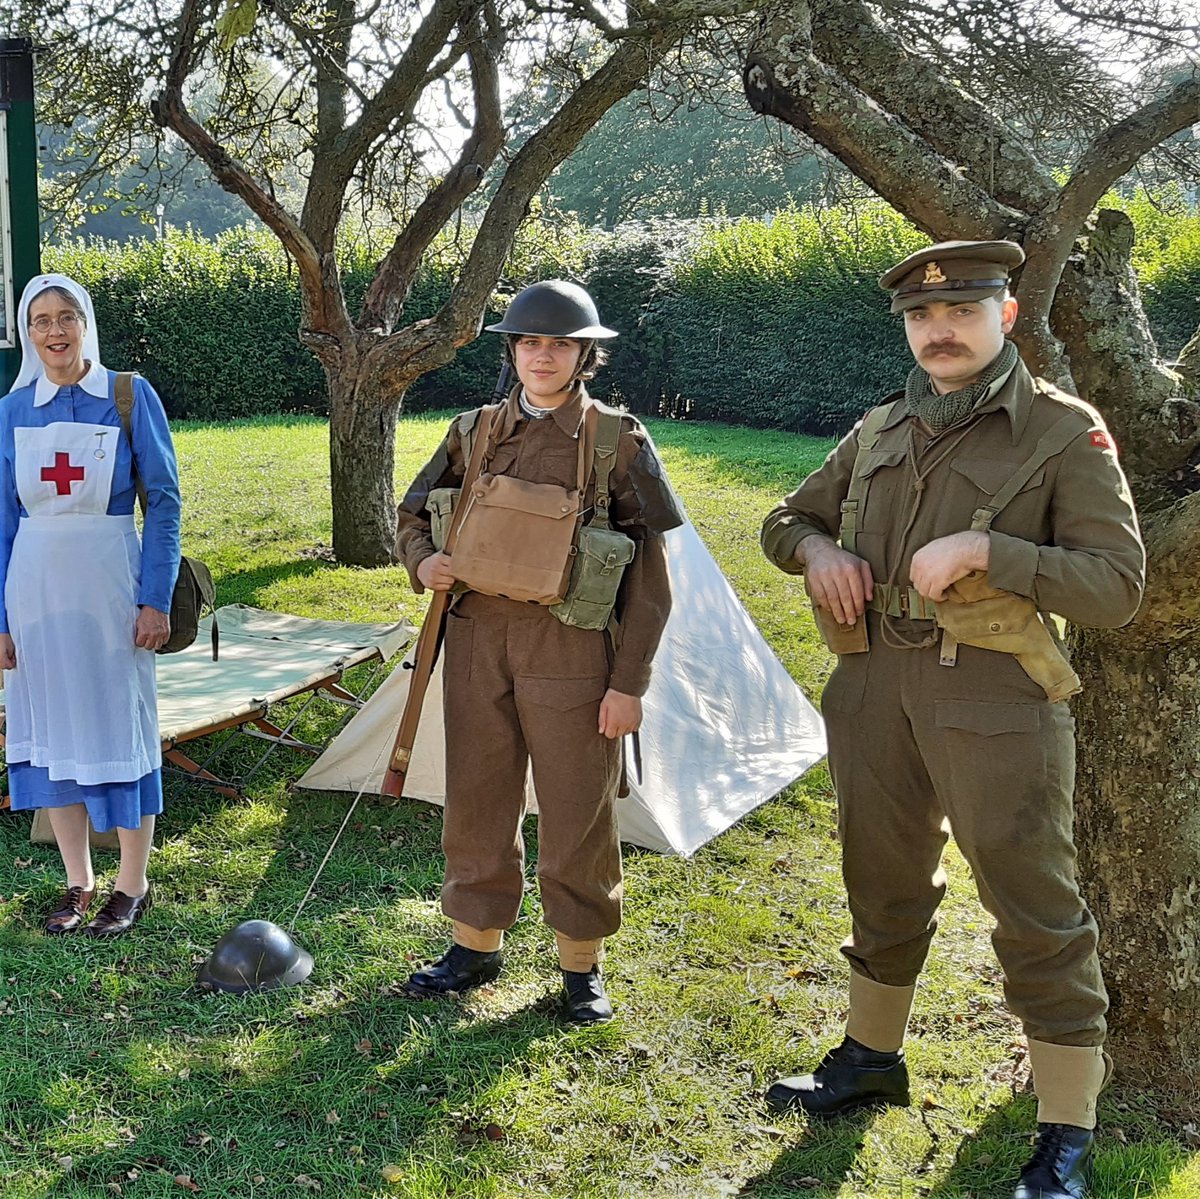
{"x":20,"y":256}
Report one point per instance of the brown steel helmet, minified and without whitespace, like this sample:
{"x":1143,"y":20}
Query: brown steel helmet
{"x":255,"y":956}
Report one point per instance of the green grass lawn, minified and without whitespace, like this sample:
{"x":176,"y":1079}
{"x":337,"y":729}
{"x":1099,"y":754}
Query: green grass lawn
{"x":118,"y":1078}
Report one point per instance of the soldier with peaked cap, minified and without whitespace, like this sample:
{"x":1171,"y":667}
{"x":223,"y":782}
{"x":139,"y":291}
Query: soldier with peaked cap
{"x":521,"y":685}
{"x":933,"y":541}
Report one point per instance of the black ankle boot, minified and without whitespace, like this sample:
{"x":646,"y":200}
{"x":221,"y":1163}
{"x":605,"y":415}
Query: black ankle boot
{"x":457,"y":970}
{"x":1061,"y":1165}
{"x":849,"y":1077}
{"x":584,"y":1000}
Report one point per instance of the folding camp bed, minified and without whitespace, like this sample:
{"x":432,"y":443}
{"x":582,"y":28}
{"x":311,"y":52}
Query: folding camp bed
{"x":265,"y":658}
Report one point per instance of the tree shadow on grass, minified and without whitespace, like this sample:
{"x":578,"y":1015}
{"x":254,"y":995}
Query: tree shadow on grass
{"x":423,"y":1087}
{"x":816,"y":1164}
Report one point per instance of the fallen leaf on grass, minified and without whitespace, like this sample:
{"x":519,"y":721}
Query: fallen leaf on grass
{"x":22,"y":863}
{"x":197,"y":1140}
{"x":392,"y":1174}
{"x":309,"y":1183}
{"x":185,"y":1181}
{"x":332,"y":1118}
{"x":364,"y":1047}
{"x":494,"y":1132}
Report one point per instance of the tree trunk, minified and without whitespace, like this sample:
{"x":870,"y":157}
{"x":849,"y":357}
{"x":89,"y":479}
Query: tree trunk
{"x":1137,"y":730}
{"x":362,"y":459}
{"x":1137,"y":819}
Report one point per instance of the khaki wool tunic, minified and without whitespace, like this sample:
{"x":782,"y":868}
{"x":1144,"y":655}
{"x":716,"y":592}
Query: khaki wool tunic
{"x":521,"y":687}
{"x":915,"y":746}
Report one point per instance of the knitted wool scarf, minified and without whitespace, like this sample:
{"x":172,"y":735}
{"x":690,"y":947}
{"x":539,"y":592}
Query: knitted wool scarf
{"x":941,"y":412}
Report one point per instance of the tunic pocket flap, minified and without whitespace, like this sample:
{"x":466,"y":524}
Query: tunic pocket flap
{"x":875,"y":459}
{"x":537,"y":499}
{"x":985,"y":719}
{"x":562,"y":694}
{"x":989,"y":475}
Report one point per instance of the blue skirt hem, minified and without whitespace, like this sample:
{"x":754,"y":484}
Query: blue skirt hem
{"x":109,"y":805}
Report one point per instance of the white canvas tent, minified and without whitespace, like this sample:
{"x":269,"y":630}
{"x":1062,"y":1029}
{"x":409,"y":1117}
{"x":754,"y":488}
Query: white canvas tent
{"x":725,"y":728}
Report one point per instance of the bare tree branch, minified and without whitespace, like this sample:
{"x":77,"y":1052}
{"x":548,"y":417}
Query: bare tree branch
{"x":338,"y":154}
{"x":1051,"y":236}
{"x":784,"y":78}
{"x":325,"y":311}
{"x":849,"y":36}
{"x":385,"y":298}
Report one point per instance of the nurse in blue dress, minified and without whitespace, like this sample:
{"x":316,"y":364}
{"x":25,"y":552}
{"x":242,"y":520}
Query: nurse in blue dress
{"x":83,"y":602}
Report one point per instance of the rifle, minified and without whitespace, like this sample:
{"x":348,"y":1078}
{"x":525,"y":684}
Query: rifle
{"x":433,"y":627}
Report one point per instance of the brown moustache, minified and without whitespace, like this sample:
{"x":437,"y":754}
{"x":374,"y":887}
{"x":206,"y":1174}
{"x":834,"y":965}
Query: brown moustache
{"x":952,"y":348}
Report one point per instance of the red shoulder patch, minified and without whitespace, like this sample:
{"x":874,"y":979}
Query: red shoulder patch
{"x":1102,"y":439}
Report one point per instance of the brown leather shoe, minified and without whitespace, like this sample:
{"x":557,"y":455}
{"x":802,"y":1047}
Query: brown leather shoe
{"x":68,"y":916}
{"x":118,"y":915}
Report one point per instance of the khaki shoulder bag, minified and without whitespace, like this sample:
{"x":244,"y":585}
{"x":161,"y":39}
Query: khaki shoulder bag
{"x":516,"y":537}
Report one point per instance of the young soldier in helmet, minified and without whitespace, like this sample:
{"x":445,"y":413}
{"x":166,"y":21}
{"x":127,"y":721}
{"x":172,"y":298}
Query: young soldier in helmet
{"x":522,"y":680}
{"x":932,"y":540}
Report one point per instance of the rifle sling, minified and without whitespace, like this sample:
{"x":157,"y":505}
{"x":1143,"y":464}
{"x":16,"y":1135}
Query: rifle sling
{"x":429,"y":642}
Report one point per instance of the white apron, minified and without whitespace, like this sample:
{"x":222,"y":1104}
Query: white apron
{"x":81,"y":701}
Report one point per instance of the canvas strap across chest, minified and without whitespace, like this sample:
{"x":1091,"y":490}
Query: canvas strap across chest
{"x":516,"y":537}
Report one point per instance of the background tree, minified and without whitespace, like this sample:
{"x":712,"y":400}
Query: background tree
{"x":368,"y":86}
{"x":675,"y":148}
{"x":941,"y":112}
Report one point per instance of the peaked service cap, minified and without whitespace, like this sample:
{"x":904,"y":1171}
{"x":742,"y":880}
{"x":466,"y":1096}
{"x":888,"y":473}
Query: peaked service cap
{"x":952,"y":271}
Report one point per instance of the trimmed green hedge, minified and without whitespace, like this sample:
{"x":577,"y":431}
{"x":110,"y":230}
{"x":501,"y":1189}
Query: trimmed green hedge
{"x":783,"y":325}
{"x":775,"y":324}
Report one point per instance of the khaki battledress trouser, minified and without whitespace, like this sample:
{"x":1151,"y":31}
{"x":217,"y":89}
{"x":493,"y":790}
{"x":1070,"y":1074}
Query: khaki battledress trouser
{"x":520,"y":685}
{"x":917,"y":749}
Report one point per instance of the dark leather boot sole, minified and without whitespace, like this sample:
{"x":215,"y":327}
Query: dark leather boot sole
{"x":436,"y":988}
{"x":784,"y":1096}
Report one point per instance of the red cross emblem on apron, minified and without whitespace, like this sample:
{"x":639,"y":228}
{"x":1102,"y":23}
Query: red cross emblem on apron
{"x":62,"y":474}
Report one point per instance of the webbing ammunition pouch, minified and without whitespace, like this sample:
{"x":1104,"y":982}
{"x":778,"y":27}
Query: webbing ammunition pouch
{"x":839,"y":638}
{"x":441,"y":504}
{"x":601,"y":554}
{"x":975,"y":613}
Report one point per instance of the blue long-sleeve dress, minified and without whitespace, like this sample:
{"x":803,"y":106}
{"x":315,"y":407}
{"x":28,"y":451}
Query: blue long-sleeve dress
{"x":81,"y":715}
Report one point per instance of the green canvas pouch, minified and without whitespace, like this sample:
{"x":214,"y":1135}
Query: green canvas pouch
{"x":441,"y":504}
{"x":597,"y":566}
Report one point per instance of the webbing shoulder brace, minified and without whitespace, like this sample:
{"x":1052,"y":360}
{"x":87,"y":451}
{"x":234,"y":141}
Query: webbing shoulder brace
{"x":604,"y":452}
{"x":868,"y":435}
{"x":604,"y":455}
{"x":1050,"y":445}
